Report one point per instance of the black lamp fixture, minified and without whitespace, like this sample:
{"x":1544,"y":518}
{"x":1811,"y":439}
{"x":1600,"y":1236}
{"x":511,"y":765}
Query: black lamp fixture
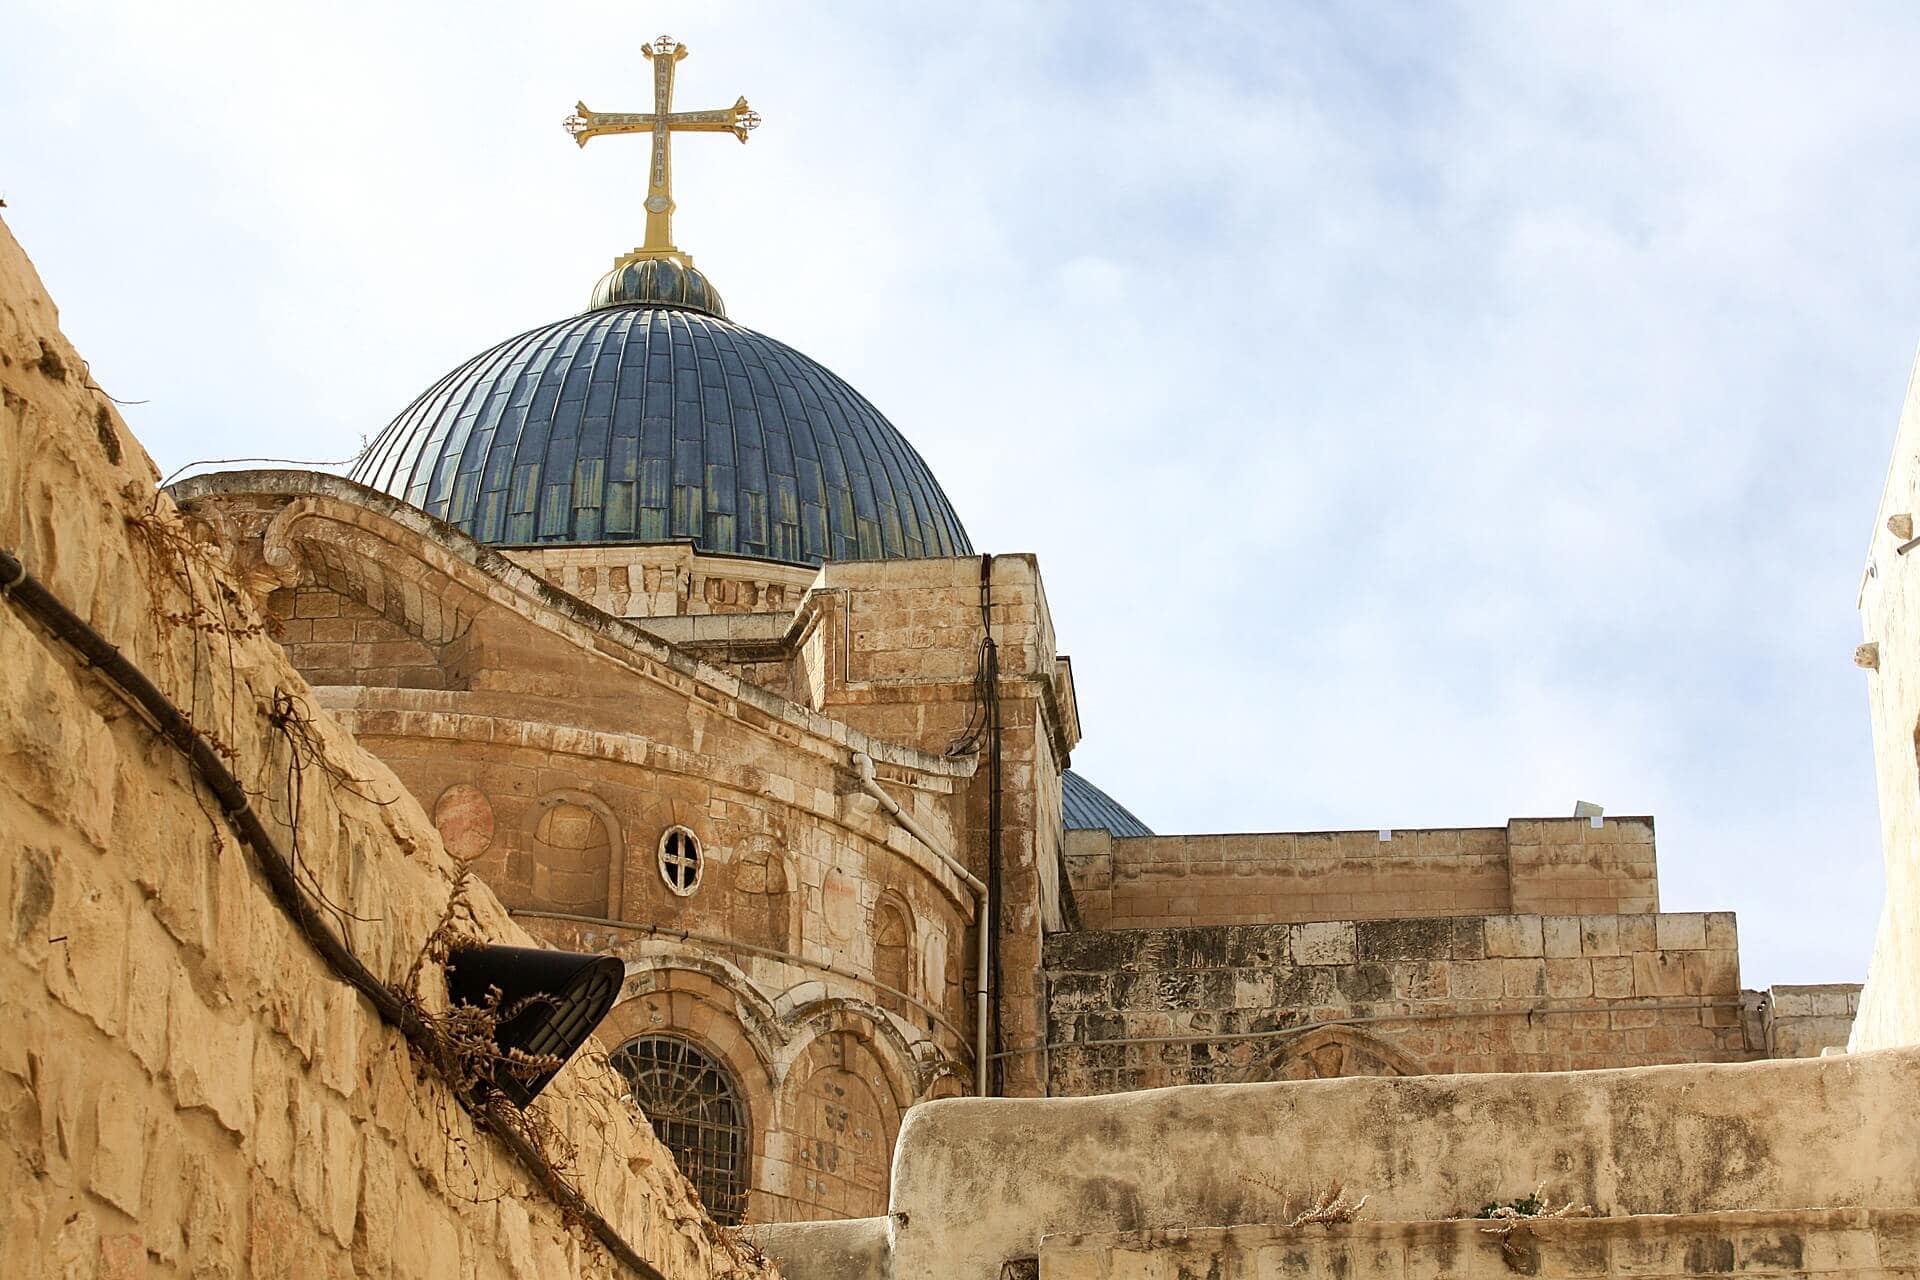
{"x":555,"y":998}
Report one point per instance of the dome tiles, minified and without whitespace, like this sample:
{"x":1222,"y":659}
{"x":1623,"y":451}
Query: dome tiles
{"x":1085,"y":807}
{"x":652,"y":422}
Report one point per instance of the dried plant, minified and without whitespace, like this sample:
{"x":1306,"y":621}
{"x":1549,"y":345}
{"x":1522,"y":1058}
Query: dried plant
{"x":1512,"y":1213}
{"x":1330,"y":1206}
{"x":1518,"y":1214}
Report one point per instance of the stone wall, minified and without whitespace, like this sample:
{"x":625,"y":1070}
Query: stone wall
{"x":1802,"y":1242}
{"x":1802,"y":1021}
{"x":667,"y":580}
{"x":1890,"y":627}
{"x":892,"y":649}
{"x":980,"y":1183}
{"x":1564,"y":866}
{"x":1470,"y":993}
{"x":559,"y":762}
{"x":185,"y":1087}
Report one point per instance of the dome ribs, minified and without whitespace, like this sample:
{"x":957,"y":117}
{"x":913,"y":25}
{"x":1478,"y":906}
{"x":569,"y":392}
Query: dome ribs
{"x":648,"y":424}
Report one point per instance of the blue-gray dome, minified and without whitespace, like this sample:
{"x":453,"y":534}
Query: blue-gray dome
{"x":1087,"y":808}
{"x":657,"y":423}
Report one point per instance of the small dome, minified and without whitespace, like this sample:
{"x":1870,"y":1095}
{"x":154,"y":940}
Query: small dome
{"x":1086,"y":807}
{"x":635,"y":423}
{"x":659,"y":282}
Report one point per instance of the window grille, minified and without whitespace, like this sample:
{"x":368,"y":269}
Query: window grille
{"x":694,"y":1106}
{"x":680,"y":860}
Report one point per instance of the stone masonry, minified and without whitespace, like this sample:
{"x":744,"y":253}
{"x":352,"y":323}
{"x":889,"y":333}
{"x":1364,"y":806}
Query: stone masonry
{"x":186,"y":1089}
{"x":1141,"y":1008}
{"x":1551,"y":866}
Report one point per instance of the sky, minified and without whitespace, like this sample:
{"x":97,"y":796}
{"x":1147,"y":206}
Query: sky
{"x":1424,"y":415}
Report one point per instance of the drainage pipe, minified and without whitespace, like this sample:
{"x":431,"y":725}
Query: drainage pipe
{"x":863,"y":765}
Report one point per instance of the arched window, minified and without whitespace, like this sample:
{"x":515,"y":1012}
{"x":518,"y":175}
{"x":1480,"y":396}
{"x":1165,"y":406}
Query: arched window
{"x":694,"y":1105}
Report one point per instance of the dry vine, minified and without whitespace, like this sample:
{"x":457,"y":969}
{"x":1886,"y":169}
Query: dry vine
{"x":1329,"y":1207}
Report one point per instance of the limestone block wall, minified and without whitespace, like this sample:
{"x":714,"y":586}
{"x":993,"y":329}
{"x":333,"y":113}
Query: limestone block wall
{"x":815,"y":957}
{"x":1854,"y":1242}
{"x":892,"y":648}
{"x":335,"y":639}
{"x":185,"y":1087}
{"x":1546,"y":865}
{"x":1801,"y":1021}
{"x":1890,"y":627}
{"x":1142,"y":1008}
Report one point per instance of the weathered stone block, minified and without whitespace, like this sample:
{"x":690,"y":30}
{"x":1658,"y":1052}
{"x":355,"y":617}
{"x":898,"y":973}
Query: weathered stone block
{"x":1329,"y":942}
{"x":1430,"y":939}
{"x":1524,"y":977}
{"x":1560,"y":936}
{"x":1722,"y":933}
{"x":1659,"y":973}
{"x":1569,"y":978}
{"x":87,"y":943}
{"x":1680,"y":931}
{"x":1513,"y":936}
{"x":1637,"y":933}
{"x":119,"y":1163}
{"x":1612,"y":977}
{"x":209,"y":1057}
{"x":1600,"y":935}
{"x":1477,"y":979}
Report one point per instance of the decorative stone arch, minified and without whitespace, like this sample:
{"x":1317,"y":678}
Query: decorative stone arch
{"x":1328,"y":1052}
{"x":894,"y":1052}
{"x":937,"y":1073}
{"x":709,"y":998}
{"x":564,"y":863}
{"x":895,"y":950}
{"x":840,"y":1108}
{"x":313,"y":539}
{"x":945,"y":1081}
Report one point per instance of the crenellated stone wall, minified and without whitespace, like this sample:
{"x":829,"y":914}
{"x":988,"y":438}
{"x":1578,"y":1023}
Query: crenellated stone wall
{"x":186,"y":1088}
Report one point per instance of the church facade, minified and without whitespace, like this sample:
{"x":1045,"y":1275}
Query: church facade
{"x":691,"y":660}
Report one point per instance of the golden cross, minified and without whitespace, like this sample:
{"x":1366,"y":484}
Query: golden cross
{"x":662,"y":122}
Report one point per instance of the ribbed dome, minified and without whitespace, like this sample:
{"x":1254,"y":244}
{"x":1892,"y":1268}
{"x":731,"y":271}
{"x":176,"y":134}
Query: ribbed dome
{"x":650,"y":424}
{"x":1085,"y":807}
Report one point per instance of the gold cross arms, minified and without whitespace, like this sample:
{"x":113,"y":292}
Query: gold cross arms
{"x":662,"y":123}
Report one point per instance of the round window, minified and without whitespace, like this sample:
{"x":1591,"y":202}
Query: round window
{"x":680,"y":860}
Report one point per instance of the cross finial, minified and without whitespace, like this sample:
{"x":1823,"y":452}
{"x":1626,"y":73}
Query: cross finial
{"x":662,"y":122}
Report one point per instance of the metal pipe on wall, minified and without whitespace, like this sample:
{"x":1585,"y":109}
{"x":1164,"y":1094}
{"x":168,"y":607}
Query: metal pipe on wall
{"x":863,"y":765}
